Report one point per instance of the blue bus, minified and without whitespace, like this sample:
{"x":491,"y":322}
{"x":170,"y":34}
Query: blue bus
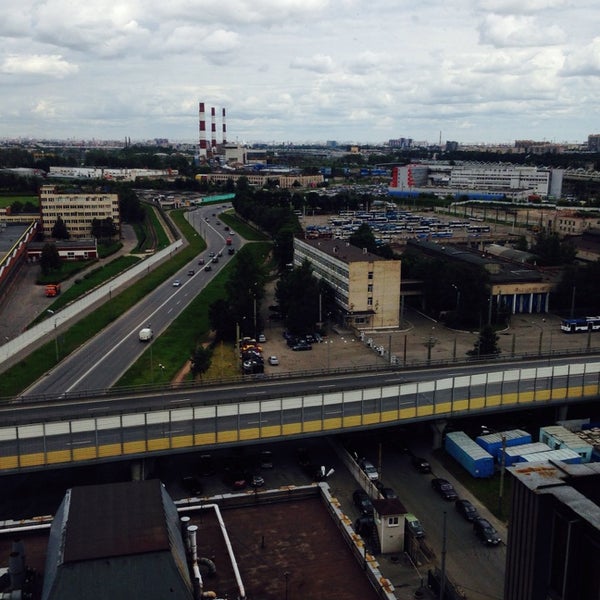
{"x":579,"y":324}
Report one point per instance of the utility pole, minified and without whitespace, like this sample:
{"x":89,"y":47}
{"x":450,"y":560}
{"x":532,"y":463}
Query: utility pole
{"x":443,"y":567}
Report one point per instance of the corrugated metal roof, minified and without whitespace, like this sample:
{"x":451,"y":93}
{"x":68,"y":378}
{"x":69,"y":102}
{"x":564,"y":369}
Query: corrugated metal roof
{"x":115,"y":520}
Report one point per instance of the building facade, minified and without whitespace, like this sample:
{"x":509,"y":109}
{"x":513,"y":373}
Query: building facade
{"x":366,"y":286}
{"x":553,"y":548}
{"x":77,"y":211}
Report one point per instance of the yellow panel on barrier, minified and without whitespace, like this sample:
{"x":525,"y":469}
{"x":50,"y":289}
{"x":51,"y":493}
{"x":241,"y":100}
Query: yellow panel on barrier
{"x":9,"y":462}
{"x":249,"y":434}
{"x":134,"y":447}
{"x":204,"y":439}
{"x":227,"y":436}
{"x":526,"y":397}
{"x":389,"y":415}
{"x":292,"y":429}
{"x":353,"y":421}
{"x":182,"y":441}
{"x":158,"y":444}
{"x":270,"y":431}
{"x":33,"y":460}
{"x":110,"y":450}
{"x":88,"y":453}
{"x":312,"y":426}
{"x":408,"y":413}
{"x":57,"y":457}
{"x":424,"y":411}
{"x":371,"y":419}
{"x":475,"y":403}
{"x":332,"y":423}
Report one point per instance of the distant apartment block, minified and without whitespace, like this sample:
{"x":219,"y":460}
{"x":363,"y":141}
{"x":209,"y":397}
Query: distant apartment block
{"x":109,"y":173}
{"x":77,"y":211}
{"x":283,"y":180}
{"x":366,"y":286}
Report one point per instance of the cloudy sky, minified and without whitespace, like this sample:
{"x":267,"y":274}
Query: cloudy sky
{"x":486,"y":71}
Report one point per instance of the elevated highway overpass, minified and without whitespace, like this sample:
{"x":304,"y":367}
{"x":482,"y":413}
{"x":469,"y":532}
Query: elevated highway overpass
{"x":107,"y":428}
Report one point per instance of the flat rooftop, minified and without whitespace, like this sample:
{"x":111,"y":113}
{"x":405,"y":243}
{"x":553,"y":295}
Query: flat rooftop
{"x":294,"y":543}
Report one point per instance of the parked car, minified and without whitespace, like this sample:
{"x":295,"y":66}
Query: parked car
{"x":364,"y":526}
{"x":206,"y":465}
{"x":362,"y":501}
{"x":237,"y":480}
{"x":266,"y":459}
{"x":262,"y":338}
{"x":273,"y":360}
{"x":192,"y":485}
{"x":486,"y":532}
{"x":257,"y":481}
{"x":466,"y":509}
{"x":388,"y":492}
{"x":301,"y":346}
{"x":369,"y":469}
{"x":444,"y":488}
{"x":414,"y":525}
{"x":421,"y":464}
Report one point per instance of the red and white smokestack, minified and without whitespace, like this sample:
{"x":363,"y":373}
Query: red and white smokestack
{"x":213,"y":129}
{"x":202,"y":130}
{"x":224,"y":127}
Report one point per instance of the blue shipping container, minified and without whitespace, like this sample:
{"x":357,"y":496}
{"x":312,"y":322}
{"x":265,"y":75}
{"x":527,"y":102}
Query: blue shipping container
{"x":492,"y":442}
{"x":477,"y":461}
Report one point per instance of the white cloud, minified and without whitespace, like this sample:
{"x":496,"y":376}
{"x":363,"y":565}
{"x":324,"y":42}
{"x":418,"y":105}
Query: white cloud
{"x":298,"y":70}
{"x":49,"y":65}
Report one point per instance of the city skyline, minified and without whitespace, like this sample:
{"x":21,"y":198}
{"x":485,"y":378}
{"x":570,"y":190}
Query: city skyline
{"x":301,"y":71}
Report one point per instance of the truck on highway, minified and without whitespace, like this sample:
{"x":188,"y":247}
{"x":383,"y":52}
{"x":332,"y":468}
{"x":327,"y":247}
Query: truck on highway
{"x":52,"y":289}
{"x":145,"y":334}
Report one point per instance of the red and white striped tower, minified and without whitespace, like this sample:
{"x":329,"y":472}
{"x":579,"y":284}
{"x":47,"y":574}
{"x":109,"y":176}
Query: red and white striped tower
{"x":224,"y":127}
{"x":202,"y":130}
{"x":213,"y":130}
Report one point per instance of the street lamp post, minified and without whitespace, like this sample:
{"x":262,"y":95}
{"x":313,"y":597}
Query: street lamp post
{"x":457,"y":296}
{"x":51,"y":312}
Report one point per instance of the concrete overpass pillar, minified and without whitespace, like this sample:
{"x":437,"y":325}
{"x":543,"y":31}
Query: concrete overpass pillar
{"x":562,"y":412}
{"x":437,"y":427}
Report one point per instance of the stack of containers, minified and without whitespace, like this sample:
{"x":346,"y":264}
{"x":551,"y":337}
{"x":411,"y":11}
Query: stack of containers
{"x":492,"y":442}
{"x":513,"y":454}
{"x":565,"y":455}
{"x":477,"y":461}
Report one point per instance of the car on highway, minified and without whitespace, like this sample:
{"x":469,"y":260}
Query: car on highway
{"x":362,"y":501}
{"x":486,"y":532}
{"x":273,"y":361}
{"x":466,"y":509}
{"x":208,"y":268}
{"x":444,"y":488}
{"x":191,"y":272}
{"x":421,"y":464}
{"x":201,"y":261}
{"x":176,"y":283}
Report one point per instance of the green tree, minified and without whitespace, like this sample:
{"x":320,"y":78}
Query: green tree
{"x":49,"y":259}
{"x":552,"y":250}
{"x":60,"y":231}
{"x":297,"y":294}
{"x":222,"y":320}
{"x":200,"y":360}
{"x":486,"y":344}
{"x":363,"y":238}
{"x":104,"y":229}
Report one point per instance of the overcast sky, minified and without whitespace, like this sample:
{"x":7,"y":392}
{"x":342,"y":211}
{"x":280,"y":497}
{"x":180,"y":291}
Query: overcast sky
{"x":481,"y":71}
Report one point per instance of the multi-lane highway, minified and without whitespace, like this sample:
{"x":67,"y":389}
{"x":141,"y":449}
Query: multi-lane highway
{"x":100,"y":363}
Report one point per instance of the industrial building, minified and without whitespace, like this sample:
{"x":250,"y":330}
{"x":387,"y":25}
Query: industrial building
{"x":517,"y":288}
{"x":77,"y":211}
{"x":366,"y":286}
{"x":477,"y":181}
{"x":553,"y":548}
